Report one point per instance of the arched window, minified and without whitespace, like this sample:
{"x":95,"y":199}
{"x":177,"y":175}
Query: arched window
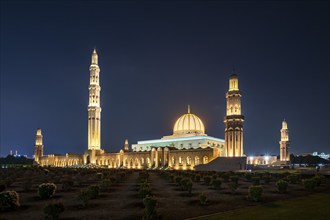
{"x":180,"y":160}
{"x":173,"y":161}
{"x":205,"y":160}
{"x":196,"y":160}
{"x":142,"y":160}
{"x":188,"y":161}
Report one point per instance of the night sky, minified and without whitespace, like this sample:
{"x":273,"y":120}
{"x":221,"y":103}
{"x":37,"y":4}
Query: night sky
{"x":155,"y":59}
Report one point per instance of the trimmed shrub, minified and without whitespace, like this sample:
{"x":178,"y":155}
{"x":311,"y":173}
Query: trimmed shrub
{"x":319,"y":178}
{"x":293,"y":178}
{"x":232,"y":187}
{"x":310,"y":184}
{"x":203,"y":198}
{"x":46,"y":190}
{"x":282,"y":186}
{"x":183,"y":183}
{"x":178,"y":179}
{"x":255,"y":193}
{"x":53,"y":210}
{"x":99,"y":176}
{"x":207,"y":180}
{"x":197,"y":178}
{"x":189,"y":186}
{"x":144,"y":190}
{"x":9,"y":200}
{"x":149,"y":208}
{"x":93,"y":191}
{"x":217,"y":183}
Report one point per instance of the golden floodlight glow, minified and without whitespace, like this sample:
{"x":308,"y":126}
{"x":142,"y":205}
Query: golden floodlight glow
{"x":189,"y":124}
{"x":94,"y":108}
{"x":233,"y":83}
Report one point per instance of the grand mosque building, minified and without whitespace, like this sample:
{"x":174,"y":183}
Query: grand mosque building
{"x":188,"y":148}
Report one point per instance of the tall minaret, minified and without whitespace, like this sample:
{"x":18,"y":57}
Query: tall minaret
{"x":234,"y":120}
{"x":284,"y":143}
{"x":38,"y":147}
{"x":94,"y":109}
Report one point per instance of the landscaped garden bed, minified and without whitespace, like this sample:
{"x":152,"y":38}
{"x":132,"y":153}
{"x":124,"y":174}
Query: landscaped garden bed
{"x":68,"y":193}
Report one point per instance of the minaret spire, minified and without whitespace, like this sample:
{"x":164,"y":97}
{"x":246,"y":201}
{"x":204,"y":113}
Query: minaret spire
{"x":234,"y":120}
{"x":94,"y":57}
{"x":284,"y":143}
{"x":126,"y":146}
{"x":188,"y":109}
{"x":38,"y":147}
{"x":94,"y":109}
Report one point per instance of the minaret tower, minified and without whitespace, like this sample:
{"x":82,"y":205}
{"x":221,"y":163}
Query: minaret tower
{"x":126,"y":146}
{"x":234,"y":120}
{"x":94,"y":109}
{"x":38,"y":147}
{"x":284,"y":143}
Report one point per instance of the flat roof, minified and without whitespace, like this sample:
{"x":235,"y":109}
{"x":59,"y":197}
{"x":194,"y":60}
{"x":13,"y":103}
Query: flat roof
{"x":180,"y":139}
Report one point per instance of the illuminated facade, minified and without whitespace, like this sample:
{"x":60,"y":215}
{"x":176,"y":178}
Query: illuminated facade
{"x":234,"y":120}
{"x":38,"y":147}
{"x":284,"y":151}
{"x":261,"y":160}
{"x":284,"y":142}
{"x":188,"y":133}
{"x":94,"y":109}
{"x":186,"y":148}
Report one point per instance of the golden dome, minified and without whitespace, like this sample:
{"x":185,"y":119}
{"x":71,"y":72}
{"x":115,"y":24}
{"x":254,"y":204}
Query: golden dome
{"x":189,"y":124}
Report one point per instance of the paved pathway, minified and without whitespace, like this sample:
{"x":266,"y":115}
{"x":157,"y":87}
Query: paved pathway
{"x":122,"y":202}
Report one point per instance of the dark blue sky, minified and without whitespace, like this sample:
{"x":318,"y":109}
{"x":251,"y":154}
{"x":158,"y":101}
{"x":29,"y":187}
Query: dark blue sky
{"x":155,"y":59}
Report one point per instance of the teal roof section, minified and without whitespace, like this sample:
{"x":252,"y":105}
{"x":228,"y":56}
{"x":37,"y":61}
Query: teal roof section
{"x":170,"y":140}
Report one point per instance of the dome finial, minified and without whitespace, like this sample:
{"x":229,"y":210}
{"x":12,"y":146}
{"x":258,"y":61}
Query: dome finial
{"x":188,"y":109}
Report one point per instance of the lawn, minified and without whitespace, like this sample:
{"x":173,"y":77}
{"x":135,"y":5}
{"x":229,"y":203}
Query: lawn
{"x":310,"y":207}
